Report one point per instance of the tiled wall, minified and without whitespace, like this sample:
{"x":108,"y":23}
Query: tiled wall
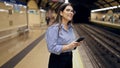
{"x":98,"y":15}
{"x":11,"y":21}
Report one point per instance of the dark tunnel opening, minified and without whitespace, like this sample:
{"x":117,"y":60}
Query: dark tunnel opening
{"x":82,"y":14}
{"x":82,"y":9}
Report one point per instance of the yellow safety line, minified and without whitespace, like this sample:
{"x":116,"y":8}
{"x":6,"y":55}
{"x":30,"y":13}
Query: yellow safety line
{"x":77,"y":60}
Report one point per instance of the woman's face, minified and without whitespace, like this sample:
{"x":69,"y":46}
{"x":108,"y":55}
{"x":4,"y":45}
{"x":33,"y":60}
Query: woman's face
{"x":67,"y":13}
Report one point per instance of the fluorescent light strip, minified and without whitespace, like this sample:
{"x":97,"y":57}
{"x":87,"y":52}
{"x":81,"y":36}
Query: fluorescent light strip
{"x":42,"y":10}
{"x":119,"y":6}
{"x":103,"y":9}
{"x":8,"y":4}
{"x":3,"y":10}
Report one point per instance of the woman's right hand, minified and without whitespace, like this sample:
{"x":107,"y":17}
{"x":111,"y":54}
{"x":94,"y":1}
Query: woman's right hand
{"x":73,"y":44}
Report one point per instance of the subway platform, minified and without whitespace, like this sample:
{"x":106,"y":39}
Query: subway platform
{"x":29,"y":50}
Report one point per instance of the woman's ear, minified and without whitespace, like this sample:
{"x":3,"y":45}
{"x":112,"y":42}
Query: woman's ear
{"x":61,"y":13}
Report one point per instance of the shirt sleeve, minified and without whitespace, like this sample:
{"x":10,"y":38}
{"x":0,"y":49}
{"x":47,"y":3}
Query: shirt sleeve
{"x":51,"y":39}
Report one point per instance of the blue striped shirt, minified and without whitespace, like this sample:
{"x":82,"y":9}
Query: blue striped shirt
{"x":55,"y":42}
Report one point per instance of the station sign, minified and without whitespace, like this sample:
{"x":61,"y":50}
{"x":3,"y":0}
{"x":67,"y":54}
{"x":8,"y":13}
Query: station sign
{"x":14,"y":1}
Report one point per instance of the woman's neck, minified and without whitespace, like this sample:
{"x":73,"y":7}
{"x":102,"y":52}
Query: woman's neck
{"x":65,"y":23}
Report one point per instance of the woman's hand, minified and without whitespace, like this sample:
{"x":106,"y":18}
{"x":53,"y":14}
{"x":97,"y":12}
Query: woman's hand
{"x":74,"y":44}
{"x":71,"y":46}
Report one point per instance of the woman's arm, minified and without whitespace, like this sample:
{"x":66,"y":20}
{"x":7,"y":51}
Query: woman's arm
{"x":51,"y":39}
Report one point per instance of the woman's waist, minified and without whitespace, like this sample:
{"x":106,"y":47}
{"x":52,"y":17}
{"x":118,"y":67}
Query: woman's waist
{"x":64,"y":53}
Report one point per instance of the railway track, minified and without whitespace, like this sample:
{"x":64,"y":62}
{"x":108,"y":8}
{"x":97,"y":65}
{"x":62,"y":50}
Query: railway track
{"x":103,"y":46}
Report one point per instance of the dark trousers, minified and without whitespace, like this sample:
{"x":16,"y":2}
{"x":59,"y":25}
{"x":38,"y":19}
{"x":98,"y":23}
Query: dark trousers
{"x":64,"y":60}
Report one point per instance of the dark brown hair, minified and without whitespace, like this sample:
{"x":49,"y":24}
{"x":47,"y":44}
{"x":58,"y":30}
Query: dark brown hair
{"x":61,"y":8}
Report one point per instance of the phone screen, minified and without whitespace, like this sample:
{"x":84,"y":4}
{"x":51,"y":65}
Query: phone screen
{"x":80,"y":39}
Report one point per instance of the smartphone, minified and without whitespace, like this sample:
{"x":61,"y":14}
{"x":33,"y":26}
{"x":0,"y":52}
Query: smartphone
{"x":80,"y":39}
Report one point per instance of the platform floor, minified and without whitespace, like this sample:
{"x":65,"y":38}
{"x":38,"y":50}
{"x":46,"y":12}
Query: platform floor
{"x":24,"y":52}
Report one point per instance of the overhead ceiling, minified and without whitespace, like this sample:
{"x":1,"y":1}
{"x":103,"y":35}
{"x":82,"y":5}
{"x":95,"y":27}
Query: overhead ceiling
{"x":91,"y":4}
{"x":107,"y":3}
{"x":96,"y":4}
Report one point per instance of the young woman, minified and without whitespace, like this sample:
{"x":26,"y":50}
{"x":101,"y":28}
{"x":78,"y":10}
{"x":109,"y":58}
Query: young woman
{"x":60,"y":38}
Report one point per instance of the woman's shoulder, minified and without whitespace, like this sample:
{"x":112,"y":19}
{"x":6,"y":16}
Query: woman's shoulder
{"x":53,"y":27}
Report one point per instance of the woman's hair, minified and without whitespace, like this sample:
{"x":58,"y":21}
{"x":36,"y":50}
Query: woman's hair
{"x":59,"y":17}
{"x":61,"y":8}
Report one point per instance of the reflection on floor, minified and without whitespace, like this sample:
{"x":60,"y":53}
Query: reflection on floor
{"x":37,"y":57}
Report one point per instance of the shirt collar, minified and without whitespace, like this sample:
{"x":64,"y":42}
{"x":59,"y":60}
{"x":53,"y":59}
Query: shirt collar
{"x":69,"y":26}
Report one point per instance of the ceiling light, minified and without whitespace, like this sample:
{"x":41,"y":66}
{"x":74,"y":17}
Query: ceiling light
{"x":103,"y":9}
{"x":66,"y":1}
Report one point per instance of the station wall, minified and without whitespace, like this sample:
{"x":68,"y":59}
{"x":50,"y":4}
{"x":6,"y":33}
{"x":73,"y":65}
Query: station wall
{"x":13,"y":19}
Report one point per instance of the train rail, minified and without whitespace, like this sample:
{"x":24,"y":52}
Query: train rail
{"x":103,"y":46}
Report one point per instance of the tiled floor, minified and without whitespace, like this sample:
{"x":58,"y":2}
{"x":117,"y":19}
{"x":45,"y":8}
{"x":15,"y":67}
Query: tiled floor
{"x":37,"y":58}
{"x":10,"y":48}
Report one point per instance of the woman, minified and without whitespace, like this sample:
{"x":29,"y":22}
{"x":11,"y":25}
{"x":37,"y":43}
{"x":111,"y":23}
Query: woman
{"x":60,"y":39}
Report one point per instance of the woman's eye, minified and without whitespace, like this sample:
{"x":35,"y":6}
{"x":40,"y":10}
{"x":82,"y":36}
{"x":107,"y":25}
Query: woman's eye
{"x":70,"y":10}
